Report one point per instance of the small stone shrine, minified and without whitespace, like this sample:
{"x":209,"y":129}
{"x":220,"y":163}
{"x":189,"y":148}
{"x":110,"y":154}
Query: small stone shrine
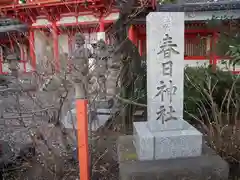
{"x":166,"y":146}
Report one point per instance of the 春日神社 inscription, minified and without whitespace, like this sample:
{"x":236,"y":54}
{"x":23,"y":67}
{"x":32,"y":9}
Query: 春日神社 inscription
{"x":166,"y":113}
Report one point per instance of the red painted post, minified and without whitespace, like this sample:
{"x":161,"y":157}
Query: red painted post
{"x":1,"y":60}
{"x":132,"y":34}
{"x":101,"y":26}
{"x":213,"y":55}
{"x":82,"y":132}
{"x":55,"y":46}
{"x":101,"y":31}
{"x":141,"y":47}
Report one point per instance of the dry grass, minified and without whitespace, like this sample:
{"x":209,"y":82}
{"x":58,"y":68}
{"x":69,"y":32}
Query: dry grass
{"x":222,"y":127}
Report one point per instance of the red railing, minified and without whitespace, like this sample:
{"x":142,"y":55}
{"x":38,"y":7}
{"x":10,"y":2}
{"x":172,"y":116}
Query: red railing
{"x":29,"y":2}
{"x":9,"y":4}
{"x":33,"y":4}
{"x":17,"y":2}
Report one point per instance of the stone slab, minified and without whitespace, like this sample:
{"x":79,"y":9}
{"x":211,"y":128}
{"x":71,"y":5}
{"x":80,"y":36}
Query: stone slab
{"x":208,"y":166}
{"x":166,"y":144}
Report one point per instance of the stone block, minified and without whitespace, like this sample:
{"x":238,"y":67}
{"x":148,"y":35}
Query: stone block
{"x":167,"y":144}
{"x":208,"y":166}
{"x":143,"y":141}
{"x":174,"y":144}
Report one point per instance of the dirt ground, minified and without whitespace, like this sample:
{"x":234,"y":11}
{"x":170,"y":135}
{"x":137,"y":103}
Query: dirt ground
{"x":105,"y":159}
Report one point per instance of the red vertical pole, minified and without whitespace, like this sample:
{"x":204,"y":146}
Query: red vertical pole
{"x":55,"y":46}
{"x":132,"y":34}
{"x":1,"y":60}
{"x":82,"y":136}
{"x":214,"y":57}
{"x":101,"y":31}
{"x":101,"y":26}
{"x":141,"y":47}
{"x":32,"y":48}
{"x":154,"y":4}
{"x":211,"y":51}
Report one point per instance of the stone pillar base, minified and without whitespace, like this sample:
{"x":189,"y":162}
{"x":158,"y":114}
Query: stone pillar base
{"x":208,"y":166}
{"x":173,"y":139}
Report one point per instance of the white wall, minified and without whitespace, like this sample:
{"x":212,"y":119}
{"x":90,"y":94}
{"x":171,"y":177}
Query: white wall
{"x":205,"y":63}
{"x":195,"y":63}
{"x":226,"y":66}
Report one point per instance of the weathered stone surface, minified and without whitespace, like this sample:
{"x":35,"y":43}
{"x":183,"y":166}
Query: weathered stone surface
{"x":208,"y":166}
{"x":165,"y":66}
{"x":173,"y":125}
{"x":167,"y":143}
{"x":168,"y":135}
{"x":178,"y":143}
{"x":143,"y":141}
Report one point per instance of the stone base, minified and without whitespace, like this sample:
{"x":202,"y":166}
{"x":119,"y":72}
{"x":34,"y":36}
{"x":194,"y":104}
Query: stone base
{"x":208,"y":166}
{"x":167,"y":143}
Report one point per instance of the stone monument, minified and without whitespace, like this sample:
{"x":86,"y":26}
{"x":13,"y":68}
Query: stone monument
{"x":167,"y":134}
{"x":166,"y":144}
